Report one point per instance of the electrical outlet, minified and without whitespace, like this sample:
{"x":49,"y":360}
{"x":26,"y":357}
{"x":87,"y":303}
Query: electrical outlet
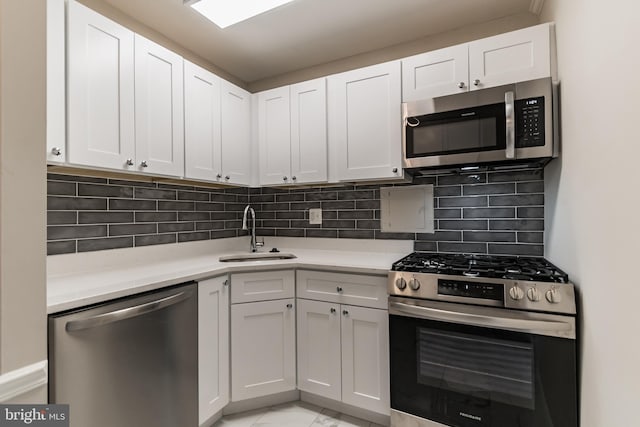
{"x":315,"y":216}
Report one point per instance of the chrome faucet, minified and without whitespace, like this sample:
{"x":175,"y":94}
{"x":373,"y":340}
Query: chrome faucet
{"x":253,"y":245}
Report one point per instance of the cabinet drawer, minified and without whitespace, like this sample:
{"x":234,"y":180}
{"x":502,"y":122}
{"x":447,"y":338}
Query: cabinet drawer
{"x":262,"y":286}
{"x":354,"y":289}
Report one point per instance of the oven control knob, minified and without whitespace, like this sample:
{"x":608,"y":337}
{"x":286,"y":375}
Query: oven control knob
{"x":516,"y":293}
{"x":533,"y":294}
{"x":414,"y":284}
{"x":401,"y":283}
{"x":553,"y":296}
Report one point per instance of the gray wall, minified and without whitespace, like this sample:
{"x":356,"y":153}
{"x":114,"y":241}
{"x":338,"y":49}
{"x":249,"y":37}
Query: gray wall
{"x":488,"y":212}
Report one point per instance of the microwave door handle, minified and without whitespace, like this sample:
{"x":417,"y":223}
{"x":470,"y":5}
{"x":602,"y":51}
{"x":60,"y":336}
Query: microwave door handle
{"x":509,"y":109}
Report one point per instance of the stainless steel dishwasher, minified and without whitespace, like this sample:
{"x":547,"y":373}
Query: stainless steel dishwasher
{"x":129,"y":363}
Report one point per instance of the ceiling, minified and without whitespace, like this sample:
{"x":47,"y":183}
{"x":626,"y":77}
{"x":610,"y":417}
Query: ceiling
{"x":305,"y":33}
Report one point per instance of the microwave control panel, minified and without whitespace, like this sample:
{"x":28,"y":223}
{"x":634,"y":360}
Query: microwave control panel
{"x":530,"y":122}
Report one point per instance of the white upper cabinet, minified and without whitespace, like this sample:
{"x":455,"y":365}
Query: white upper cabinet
{"x":521,"y":55}
{"x":56,"y":82}
{"x":511,"y":57}
{"x":292,"y":134}
{"x":309,"y":131}
{"x":365,"y":123}
{"x":235,"y":110}
{"x":274,"y":136}
{"x":201,"y":123}
{"x":437,"y":73}
{"x":100,"y":100}
{"x":159,"y":109}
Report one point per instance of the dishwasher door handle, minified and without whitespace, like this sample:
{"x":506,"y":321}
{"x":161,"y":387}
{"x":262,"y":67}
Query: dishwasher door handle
{"x":126,"y":313}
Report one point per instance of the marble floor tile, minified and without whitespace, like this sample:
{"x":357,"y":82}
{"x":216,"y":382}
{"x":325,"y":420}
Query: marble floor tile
{"x":328,"y":418}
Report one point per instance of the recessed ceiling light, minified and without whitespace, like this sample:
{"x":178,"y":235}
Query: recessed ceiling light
{"x":224,"y":13}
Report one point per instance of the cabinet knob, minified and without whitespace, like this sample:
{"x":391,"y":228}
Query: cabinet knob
{"x":461,"y":85}
{"x":476,"y":82}
{"x":227,"y":177}
{"x":284,"y":178}
{"x":225,"y":283}
{"x":129,"y":162}
{"x":339,"y":289}
{"x":289,"y":305}
{"x":294,"y":178}
{"x":394,"y":170}
{"x":144,"y":164}
{"x":345,"y":313}
{"x":333,"y":310}
{"x":219,"y":175}
{"x":56,"y":151}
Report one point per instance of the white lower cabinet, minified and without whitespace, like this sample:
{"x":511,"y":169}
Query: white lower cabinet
{"x":213,"y":346}
{"x":343,"y":353}
{"x":263,"y":348}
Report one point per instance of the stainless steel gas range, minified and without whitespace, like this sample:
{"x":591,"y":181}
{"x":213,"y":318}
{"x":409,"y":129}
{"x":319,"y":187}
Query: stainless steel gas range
{"x":481,"y":341}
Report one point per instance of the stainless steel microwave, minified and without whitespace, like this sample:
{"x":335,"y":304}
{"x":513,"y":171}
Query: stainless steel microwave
{"x":515,"y":122}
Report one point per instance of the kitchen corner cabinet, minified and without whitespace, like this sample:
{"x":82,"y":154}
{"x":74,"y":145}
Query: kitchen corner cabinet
{"x":347,"y":359}
{"x":263,"y":340}
{"x":365,"y":128}
{"x":100,"y":101}
{"x":159,"y":110}
{"x":292,"y":134}
{"x":213,"y":346}
{"x":217,"y":131}
{"x":521,"y":55}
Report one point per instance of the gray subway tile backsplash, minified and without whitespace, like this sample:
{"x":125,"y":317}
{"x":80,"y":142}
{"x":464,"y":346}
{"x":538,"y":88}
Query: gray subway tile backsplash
{"x":489,"y":212}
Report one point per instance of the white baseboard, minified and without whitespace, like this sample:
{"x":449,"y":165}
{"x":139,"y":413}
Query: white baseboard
{"x":21,"y":381}
{"x":344,"y":408}
{"x":261,"y":402}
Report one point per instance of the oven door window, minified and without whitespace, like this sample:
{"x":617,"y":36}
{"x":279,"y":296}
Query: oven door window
{"x":470,"y":376}
{"x":460,"y":131}
{"x":485,"y":367}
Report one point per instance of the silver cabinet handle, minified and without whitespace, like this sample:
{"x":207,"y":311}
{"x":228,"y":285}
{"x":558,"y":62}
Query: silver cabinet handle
{"x":126,"y":313}
{"x":339,"y":289}
{"x":129,"y":162}
{"x":289,"y":305}
{"x":228,"y":177}
{"x":345,"y":313}
{"x":225,"y":283}
{"x":476,"y":82}
{"x":284,"y":178}
{"x":56,"y":151}
{"x":294,"y":178}
{"x":509,"y":110}
{"x":144,"y":164}
{"x":332,"y":311}
{"x":394,"y":170}
{"x":219,"y":175}
{"x":461,"y":85}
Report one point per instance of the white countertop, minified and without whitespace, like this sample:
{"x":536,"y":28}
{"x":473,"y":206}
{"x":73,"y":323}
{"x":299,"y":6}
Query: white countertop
{"x":76,"y":280}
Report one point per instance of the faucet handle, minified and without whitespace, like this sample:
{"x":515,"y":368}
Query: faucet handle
{"x":259,"y":244}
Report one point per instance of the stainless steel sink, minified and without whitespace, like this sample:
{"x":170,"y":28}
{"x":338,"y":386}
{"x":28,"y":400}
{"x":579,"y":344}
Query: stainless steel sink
{"x":263,"y":256}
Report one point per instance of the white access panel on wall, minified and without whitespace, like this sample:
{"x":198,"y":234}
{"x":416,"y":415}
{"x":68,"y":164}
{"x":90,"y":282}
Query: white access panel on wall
{"x":407,"y":209}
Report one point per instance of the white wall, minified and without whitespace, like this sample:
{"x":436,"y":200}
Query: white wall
{"x":593,"y":197}
{"x":23,"y":338}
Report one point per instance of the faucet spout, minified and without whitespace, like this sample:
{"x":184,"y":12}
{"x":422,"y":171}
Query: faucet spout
{"x":245,"y":216}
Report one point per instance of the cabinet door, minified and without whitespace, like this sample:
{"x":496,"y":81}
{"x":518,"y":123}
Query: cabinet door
{"x":201,"y":123}
{"x":159,"y":109}
{"x":365,"y":122}
{"x":274,"y":136}
{"x":365,"y":358}
{"x":263,"y":352}
{"x":309,"y":131}
{"x":512,"y":57}
{"x":319,"y":348}
{"x":213,"y":346}
{"x":262,"y":286}
{"x":100,"y":90}
{"x":236,"y":133}
{"x":437,"y":73}
{"x":56,"y":82}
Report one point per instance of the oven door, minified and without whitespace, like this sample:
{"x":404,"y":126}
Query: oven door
{"x":468,"y":366}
